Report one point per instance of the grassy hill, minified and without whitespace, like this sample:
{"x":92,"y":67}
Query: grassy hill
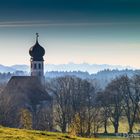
{"x":21,"y":134}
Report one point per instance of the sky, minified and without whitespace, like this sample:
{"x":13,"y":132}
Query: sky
{"x":78,"y":31}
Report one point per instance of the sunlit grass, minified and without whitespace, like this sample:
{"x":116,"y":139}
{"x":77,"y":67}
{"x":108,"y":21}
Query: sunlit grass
{"x":123,"y":127}
{"x":22,"y":134}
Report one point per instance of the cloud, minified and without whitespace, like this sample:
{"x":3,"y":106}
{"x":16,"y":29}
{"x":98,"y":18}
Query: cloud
{"x":60,"y":23}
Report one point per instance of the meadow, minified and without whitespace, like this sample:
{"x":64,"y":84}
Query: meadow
{"x":22,"y":134}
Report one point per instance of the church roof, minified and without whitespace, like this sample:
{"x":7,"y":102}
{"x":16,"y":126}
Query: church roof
{"x":25,"y":90}
{"x":37,"y":51}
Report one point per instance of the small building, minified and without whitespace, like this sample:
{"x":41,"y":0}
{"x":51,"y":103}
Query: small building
{"x":28,"y":92}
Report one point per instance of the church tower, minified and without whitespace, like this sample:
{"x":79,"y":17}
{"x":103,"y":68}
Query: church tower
{"x":37,"y":62}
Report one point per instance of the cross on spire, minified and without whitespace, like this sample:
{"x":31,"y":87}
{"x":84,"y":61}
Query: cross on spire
{"x":37,"y":36}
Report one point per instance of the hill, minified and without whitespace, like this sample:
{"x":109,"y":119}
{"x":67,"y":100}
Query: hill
{"x":22,"y":134}
{"x":101,"y":77}
{"x":84,"y":67}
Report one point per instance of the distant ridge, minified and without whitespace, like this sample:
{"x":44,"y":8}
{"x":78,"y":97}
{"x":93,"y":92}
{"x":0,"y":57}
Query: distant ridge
{"x":85,"y":67}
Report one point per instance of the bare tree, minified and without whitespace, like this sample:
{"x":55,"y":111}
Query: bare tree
{"x":97,"y":121}
{"x":62,"y":101}
{"x":73,"y":97}
{"x":8,"y":112}
{"x":136,"y":96}
{"x":130,"y":103}
{"x":44,"y":117}
{"x":113,"y":94}
{"x":103,"y":103}
{"x":25,"y":119}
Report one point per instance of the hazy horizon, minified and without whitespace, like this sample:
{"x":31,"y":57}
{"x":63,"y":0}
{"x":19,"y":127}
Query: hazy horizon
{"x":69,"y":67}
{"x":28,"y":64}
{"x":80,"y":31}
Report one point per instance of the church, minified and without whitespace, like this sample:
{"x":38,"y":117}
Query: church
{"x":28,"y":92}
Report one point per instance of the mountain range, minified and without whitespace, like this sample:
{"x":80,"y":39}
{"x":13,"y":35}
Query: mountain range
{"x":85,"y":67}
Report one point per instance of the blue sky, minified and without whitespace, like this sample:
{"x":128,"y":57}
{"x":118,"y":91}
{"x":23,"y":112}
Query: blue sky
{"x":92,"y":31}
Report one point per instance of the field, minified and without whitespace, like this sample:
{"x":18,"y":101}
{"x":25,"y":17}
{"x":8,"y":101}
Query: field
{"x":20,"y":134}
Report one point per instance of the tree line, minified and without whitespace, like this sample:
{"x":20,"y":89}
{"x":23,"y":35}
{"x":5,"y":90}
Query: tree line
{"x":82,"y":108}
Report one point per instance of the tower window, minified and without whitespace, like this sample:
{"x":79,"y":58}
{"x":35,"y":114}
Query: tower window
{"x":34,"y":66}
{"x":39,"y":66}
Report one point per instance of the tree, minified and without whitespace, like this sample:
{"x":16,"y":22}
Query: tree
{"x":113,"y":93}
{"x":73,"y":97}
{"x":83,"y":105}
{"x":62,"y":89}
{"x":44,"y":117}
{"x":74,"y":127}
{"x":136,"y":96}
{"x":97,"y":120}
{"x":8,"y":111}
{"x":103,"y":103}
{"x":25,"y":119}
{"x":130,"y":99}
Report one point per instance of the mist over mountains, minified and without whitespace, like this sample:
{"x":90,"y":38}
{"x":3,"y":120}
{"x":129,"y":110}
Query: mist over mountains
{"x":101,"y":74}
{"x":84,"y":67}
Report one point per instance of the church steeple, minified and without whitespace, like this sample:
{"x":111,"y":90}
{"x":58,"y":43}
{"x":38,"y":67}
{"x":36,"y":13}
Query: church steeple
{"x":37,"y":62}
{"x":37,"y":51}
{"x":37,"y":36}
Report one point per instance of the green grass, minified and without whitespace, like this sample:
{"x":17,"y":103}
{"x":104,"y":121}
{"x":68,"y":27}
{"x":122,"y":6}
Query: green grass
{"x":22,"y":134}
{"x":123,"y":127}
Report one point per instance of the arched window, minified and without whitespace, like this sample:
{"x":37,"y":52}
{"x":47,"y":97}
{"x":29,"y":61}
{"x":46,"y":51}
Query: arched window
{"x":39,"y":66}
{"x":34,"y":66}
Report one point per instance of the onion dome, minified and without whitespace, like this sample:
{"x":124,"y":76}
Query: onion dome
{"x":37,"y":51}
